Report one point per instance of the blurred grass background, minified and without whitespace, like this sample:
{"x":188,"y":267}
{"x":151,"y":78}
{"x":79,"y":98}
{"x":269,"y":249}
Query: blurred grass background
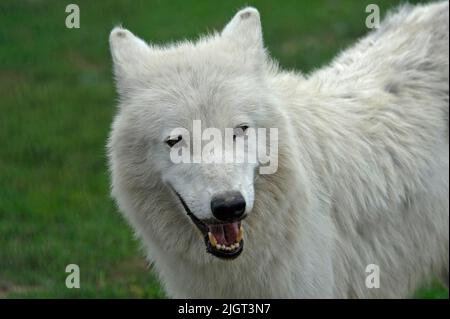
{"x":57,"y":101}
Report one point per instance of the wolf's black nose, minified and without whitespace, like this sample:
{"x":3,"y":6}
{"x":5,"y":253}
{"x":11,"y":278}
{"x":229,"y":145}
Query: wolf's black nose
{"x":228,"y":206}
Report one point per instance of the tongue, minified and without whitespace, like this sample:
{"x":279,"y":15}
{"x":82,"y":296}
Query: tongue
{"x":225,"y":234}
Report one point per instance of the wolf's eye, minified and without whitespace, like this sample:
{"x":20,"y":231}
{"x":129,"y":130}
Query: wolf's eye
{"x":171,"y":141}
{"x":240,"y":130}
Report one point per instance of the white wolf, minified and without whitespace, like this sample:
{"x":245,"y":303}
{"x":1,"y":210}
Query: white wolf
{"x":362,"y":173}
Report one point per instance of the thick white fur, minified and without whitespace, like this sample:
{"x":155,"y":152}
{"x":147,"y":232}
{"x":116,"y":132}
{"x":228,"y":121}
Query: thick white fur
{"x":363,"y":159}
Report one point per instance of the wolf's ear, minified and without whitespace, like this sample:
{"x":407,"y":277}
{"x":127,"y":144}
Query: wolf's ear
{"x":130,"y":57}
{"x":245,"y":29}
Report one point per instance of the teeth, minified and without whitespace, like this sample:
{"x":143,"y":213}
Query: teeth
{"x":212,"y":239}
{"x":228,"y":248}
{"x":240,"y":234}
{"x":234,"y":246}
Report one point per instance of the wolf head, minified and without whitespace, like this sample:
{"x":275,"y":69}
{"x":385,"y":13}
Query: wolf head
{"x":220,"y":81}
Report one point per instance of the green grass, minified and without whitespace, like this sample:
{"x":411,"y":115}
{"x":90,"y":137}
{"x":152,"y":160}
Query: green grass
{"x":57,"y":101}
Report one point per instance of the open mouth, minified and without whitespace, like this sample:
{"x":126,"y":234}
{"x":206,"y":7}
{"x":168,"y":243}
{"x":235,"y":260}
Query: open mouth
{"x":224,"y":240}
